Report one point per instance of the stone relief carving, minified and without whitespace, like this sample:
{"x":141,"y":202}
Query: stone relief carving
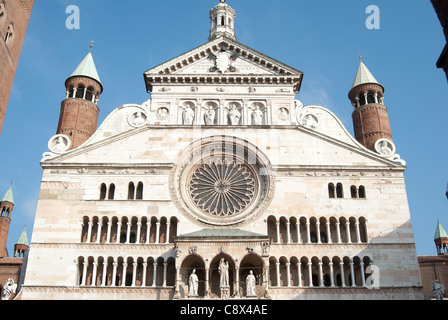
{"x":59,"y":144}
{"x":137,"y":119}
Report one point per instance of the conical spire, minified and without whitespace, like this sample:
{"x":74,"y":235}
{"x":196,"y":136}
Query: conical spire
{"x":8,"y":197}
{"x":23,"y":238}
{"x":440,"y":232}
{"x":364,"y":76}
{"x":87,"y":68}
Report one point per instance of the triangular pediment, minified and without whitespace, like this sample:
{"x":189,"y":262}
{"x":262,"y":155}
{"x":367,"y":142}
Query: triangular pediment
{"x":221,"y":57}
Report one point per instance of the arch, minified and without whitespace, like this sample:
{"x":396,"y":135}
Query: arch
{"x":354,"y":192}
{"x":173,"y":229}
{"x":139,"y":193}
{"x":190,"y":263}
{"x":362,"y":192}
{"x":111,"y":193}
{"x":131,"y":191}
{"x":89,"y":94}
{"x":251,"y":262}
{"x":103,"y":191}
{"x":215,"y":276}
{"x":84,"y":229}
{"x":339,"y":191}
{"x":80,"y":92}
{"x":331,"y":191}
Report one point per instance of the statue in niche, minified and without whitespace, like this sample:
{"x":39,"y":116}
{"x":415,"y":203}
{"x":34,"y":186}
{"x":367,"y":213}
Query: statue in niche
{"x":210,"y":117}
{"x":139,"y":119}
{"x":188,"y":116}
{"x":385,"y":149}
{"x":193,"y":284}
{"x":234,"y":115}
{"x":224,"y":274}
{"x":250,"y":285}
{"x":257,"y":117}
{"x":310,"y":121}
{"x":60,"y":144}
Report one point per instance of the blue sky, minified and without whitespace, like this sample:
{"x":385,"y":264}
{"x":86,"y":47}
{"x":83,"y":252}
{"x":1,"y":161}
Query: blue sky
{"x":322,"y":38}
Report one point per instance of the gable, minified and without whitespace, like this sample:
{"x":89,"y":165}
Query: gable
{"x":226,"y":60}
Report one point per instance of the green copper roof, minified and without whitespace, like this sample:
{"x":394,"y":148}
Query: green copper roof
{"x":87,"y":69}
{"x":363,"y":76}
{"x":440,"y":232}
{"x":8,"y":196}
{"x":23,"y":239}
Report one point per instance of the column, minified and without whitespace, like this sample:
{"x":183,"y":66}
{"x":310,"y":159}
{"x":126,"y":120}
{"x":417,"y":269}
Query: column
{"x":331,"y":274}
{"x":352,"y":274}
{"x":176,"y":289}
{"x":358,"y":235}
{"x":277,"y":269}
{"x":341,"y":264}
{"x":114,"y":274}
{"x":104,"y":278}
{"x":134,"y":273}
{"x":347,"y":229}
{"x":74,"y":92}
{"x":308,"y":235}
{"x":139,"y":228}
{"x":157,"y":232}
{"x":363,"y":276}
{"x":165,"y":265}
{"x":237,"y":270}
{"x":167,"y":238}
{"x":145,"y":266}
{"x":84,"y":275}
{"x":328,"y":233}
{"x":318,"y":232}
{"x":288,"y":274}
{"x":321,"y":276}
{"x":123,"y":274}
{"x":207,"y":287}
{"x":94,"y":273}
{"x":89,"y":232}
{"x":148,"y":229}
{"x":299,"y":273}
{"x":299,"y":240}
{"x":154,"y":274}
{"x":338,"y":231}
{"x":278,"y":231}
{"x":98,"y":234}
{"x":128,"y":232}
{"x":109,"y":228}
{"x":310,"y":274}
{"x":118,"y":232}
{"x":288,"y":231}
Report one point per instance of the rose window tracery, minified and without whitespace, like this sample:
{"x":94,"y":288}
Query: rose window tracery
{"x":222,"y":188}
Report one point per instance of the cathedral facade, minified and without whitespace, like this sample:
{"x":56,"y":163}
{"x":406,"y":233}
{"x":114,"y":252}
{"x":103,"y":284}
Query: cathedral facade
{"x":222,"y":186}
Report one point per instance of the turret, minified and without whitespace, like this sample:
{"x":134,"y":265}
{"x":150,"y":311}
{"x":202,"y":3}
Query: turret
{"x":223,"y":21}
{"x":441,"y":240}
{"x":79,"y":111}
{"x":6,"y":208}
{"x":370,"y":117}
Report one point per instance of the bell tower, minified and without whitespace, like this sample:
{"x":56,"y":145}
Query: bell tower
{"x":370,"y":117}
{"x":6,"y":207}
{"x":79,"y":111}
{"x":223,"y":21}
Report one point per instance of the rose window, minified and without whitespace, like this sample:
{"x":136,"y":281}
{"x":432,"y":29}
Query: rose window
{"x":222,"y":188}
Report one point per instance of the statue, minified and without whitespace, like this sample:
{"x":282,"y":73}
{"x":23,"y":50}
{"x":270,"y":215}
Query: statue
{"x":250,"y":285}
{"x":438,"y":290}
{"x":188,"y":116}
{"x":385,"y":148}
{"x":139,"y":119}
{"x":8,"y":289}
{"x":234,"y":116}
{"x":224,"y":274}
{"x":193,"y":284}
{"x":210,"y":117}
{"x":257,"y":117}
{"x":60,"y":145}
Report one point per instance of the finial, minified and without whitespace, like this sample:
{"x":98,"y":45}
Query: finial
{"x":223,"y":1}
{"x":91,"y":45}
{"x":360,"y":56}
